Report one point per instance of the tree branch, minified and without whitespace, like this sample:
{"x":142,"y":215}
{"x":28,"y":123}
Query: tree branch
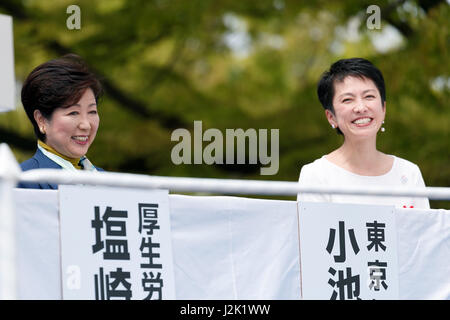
{"x":18,"y":11}
{"x":403,"y":27}
{"x":18,"y":141}
{"x":135,"y":106}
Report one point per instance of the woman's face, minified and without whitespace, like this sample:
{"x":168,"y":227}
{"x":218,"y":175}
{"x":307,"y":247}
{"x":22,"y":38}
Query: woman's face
{"x":71,"y":130}
{"x":358,"y":110}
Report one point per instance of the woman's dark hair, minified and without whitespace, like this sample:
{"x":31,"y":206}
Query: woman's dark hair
{"x":57,"y":83}
{"x":355,"y":67}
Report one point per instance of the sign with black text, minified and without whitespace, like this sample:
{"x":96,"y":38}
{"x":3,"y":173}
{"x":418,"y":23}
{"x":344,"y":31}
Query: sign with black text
{"x":115,"y":243}
{"x":348,"y":251}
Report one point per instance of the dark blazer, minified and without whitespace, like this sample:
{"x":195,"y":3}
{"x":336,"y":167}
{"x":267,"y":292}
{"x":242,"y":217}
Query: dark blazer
{"x":40,"y":161}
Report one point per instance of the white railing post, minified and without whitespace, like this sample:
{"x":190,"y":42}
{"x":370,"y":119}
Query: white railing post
{"x":9,"y":174}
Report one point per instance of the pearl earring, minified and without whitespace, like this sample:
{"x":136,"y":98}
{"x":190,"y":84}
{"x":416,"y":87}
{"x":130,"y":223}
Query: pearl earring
{"x":333,"y":126}
{"x":382,"y":128}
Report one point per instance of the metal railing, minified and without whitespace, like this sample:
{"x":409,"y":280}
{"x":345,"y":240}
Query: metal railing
{"x":222,"y":186}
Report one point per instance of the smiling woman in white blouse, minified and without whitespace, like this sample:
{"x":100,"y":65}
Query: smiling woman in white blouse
{"x":353,"y":95}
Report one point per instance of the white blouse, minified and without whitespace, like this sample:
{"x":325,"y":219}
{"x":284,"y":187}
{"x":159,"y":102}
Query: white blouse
{"x":322,"y":172}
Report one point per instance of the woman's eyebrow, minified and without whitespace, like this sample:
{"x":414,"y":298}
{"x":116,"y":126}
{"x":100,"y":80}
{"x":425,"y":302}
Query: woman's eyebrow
{"x":346,"y":94}
{"x":78,"y":105}
{"x":351,"y":94}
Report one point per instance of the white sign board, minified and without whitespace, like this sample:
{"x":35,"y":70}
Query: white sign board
{"x":115,"y":243}
{"x":7,"y":79}
{"x":348,"y":251}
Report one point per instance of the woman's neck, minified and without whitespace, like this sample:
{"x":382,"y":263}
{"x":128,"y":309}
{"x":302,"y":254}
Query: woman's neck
{"x":361,"y":158}
{"x":74,"y":161}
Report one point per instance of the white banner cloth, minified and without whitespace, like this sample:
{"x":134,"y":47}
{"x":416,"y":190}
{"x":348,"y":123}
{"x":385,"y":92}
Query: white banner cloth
{"x":233,"y":248}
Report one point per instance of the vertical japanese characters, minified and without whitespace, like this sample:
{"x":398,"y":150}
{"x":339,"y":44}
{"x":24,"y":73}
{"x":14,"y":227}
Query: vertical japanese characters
{"x":112,"y":243}
{"x":346,"y":285}
{"x":114,"y":284}
{"x":152,"y":282}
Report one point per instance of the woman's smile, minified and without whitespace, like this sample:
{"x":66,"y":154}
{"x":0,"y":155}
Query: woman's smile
{"x":363,"y":121}
{"x":81,"y":139}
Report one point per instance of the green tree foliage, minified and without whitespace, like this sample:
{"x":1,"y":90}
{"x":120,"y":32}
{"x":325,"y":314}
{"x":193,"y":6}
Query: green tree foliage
{"x":240,"y":64}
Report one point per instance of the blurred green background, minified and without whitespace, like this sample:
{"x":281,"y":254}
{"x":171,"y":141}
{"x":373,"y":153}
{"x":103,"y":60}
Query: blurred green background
{"x":240,"y":64}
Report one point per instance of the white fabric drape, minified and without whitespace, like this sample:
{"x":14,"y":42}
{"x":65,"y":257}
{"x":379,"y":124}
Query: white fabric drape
{"x":232,"y":248}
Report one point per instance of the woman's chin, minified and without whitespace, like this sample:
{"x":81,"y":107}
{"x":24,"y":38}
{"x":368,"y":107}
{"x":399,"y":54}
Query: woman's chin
{"x":78,"y":152}
{"x":365,"y":133}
